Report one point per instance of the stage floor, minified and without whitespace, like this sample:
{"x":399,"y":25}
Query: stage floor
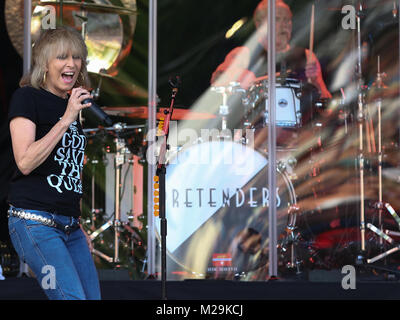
{"x":28,"y":289}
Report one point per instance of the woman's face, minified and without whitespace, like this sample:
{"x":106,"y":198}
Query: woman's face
{"x":62,"y":73}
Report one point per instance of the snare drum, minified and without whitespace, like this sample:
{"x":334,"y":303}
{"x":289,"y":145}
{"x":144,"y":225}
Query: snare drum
{"x":294,"y":103}
{"x":217,"y":203}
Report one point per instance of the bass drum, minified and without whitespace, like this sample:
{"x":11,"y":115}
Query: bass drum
{"x":217,"y":212}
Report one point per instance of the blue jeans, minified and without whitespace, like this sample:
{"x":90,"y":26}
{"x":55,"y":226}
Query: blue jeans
{"x":61,"y":261}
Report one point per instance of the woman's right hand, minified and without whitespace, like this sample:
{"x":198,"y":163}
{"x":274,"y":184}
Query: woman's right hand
{"x":75,"y":104}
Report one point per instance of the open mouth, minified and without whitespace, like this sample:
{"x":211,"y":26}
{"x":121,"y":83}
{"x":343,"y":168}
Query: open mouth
{"x":68,"y":77}
{"x":283,"y":34}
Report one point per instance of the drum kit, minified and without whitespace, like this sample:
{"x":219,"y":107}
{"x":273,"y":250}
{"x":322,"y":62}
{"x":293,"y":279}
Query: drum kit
{"x":330,"y":207}
{"x":228,"y":200}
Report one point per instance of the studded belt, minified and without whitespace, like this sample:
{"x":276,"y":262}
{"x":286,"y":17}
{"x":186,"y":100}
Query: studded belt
{"x":46,"y":221}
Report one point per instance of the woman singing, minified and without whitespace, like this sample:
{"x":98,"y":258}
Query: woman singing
{"x":48,"y":145}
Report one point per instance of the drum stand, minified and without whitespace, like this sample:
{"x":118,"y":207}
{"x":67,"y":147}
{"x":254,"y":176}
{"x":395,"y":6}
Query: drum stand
{"x":121,"y":150}
{"x":360,"y":119}
{"x":224,"y":109}
{"x":380,"y":205}
{"x":292,"y":240}
{"x":94,"y":211}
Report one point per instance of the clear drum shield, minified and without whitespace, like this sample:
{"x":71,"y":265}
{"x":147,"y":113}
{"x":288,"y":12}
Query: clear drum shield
{"x":327,"y":118}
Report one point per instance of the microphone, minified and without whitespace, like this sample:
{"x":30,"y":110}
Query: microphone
{"x":98,"y":112}
{"x":175,"y":82}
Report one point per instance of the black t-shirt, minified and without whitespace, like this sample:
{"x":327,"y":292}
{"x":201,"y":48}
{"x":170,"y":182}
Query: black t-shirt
{"x":54,"y":186}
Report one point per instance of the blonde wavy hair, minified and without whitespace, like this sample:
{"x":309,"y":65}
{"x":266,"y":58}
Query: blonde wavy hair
{"x":50,"y":44}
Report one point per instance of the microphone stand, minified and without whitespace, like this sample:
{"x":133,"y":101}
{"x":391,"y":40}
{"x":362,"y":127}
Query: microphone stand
{"x":160,"y":180}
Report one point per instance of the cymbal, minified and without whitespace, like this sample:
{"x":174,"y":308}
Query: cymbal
{"x":108,"y":29}
{"x":143,"y":113}
{"x":115,"y":85}
{"x":386,"y":92}
{"x":116,"y":127}
{"x":94,"y":7}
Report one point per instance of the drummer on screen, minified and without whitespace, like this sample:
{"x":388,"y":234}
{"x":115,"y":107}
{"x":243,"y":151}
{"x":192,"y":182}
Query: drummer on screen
{"x":292,"y":62}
